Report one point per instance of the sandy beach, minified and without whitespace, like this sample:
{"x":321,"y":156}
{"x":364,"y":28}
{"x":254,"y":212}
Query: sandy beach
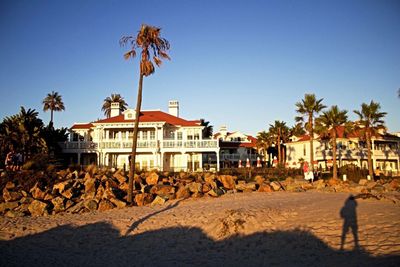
{"x":253,"y":229}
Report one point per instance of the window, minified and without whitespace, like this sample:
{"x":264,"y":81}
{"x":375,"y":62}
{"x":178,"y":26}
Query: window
{"x":196,"y":136}
{"x":152,"y":135}
{"x":179,"y":135}
{"x":144,"y":135}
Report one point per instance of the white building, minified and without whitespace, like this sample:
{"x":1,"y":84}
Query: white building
{"x":236,"y":146}
{"x":350,"y":149}
{"x":165,"y":141}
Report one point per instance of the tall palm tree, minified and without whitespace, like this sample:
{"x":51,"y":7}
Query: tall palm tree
{"x":370,"y":121}
{"x":110,"y":99}
{"x":278,"y":130}
{"x":149,"y":41}
{"x":307,"y":108}
{"x":328,"y":125}
{"x":53,"y":102}
{"x":264,"y":141}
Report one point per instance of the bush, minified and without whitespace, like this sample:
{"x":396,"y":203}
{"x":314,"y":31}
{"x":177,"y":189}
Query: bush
{"x":37,"y":162}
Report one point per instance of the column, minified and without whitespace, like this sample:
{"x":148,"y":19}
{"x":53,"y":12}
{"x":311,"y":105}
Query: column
{"x":79,"y":158}
{"x":161,"y":161}
{"x":217,"y":160}
{"x":193,"y":162}
{"x":201,"y":161}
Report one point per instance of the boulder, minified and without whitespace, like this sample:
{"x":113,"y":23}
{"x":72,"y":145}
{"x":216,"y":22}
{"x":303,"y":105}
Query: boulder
{"x":319,"y":184}
{"x":371,"y":185}
{"x":276,"y":186}
{"x":182,"y":192}
{"x":143,"y":199}
{"x":152,"y":178}
{"x":14,"y":214}
{"x":259,"y":180}
{"x":394,"y":185}
{"x":105,"y":204}
{"x":90,"y":204}
{"x":68,"y":193}
{"x":158,"y":201}
{"x":77,"y":208}
{"x":8,"y":206}
{"x":210,"y":178}
{"x":227,"y":181}
{"x":118,"y":203}
{"x":60,"y":187}
{"x":197,"y":195}
{"x":38,"y":208}
{"x":99,"y":193}
{"x":58,"y":204}
{"x":265,"y":188}
{"x":10,"y":196}
{"x":215,"y":192}
{"x":164,"y":191}
{"x":195,"y":187}
{"x":90,"y":188}
{"x":10,"y":185}
{"x":120,"y":177}
{"x":37,"y":192}
{"x":206,"y":187}
{"x":363,"y":182}
{"x":333,"y":182}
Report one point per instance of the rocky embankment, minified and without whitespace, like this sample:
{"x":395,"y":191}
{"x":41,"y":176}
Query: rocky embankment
{"x":40,"y":194}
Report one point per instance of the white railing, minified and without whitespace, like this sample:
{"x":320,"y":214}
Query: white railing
{"x":238,"y":156}
{"x":140,"y":144}
{"x":356,"y":153}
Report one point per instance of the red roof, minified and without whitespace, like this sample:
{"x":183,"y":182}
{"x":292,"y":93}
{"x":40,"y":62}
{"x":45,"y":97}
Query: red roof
{"x":147,"y":116}
{"x":82,"y":126}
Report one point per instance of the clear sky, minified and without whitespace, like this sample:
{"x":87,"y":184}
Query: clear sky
{"x":242,"y":64}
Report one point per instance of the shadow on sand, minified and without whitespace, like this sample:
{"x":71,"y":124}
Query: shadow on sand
{"x":100,"y":244}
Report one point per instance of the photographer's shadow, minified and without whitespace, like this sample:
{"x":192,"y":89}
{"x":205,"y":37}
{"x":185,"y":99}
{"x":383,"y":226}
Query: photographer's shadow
{"x":349,"y":215}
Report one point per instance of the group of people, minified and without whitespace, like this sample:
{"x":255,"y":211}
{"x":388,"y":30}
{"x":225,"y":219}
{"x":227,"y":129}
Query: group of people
{"x":13,"y":161}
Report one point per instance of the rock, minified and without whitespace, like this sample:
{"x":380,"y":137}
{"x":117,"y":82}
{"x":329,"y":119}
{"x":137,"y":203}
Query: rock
{"x":60,"y":187}
{"x":90,"y":204}
{"x":363,"y":182}
{"x":209,"y":178}
{"x":227,"y":181}
{"x":10,"y":196}
{"x":8,"y":206}
{"x":319,"y":184}
{"x":195,"y":187}
{"x":87,"y":176}
{"x":333,"y":182}
{"x":183,"y":192}
{"x":38,"y":208}
{"x":58,"y":204}
{"x":371,"y":184}
{"x":90,"y":188}
{"x":99,"y":193}
{"x":10,"y":185}
{"x":158,"y":201}
{"x":206,"y":187}
{"x":68,"y":193}
{"x":292,"y":187}
{"x":246,"y":187}
{"x":143,"y":199}
{"x":152,"y":178}
{"x":259,"y":180}
{"x":276,"y":186}
{"x":164,"y":191}
{"x":14,"y":214}
{"x":77,"y":208}
{"x":118,"y":203}
{"x":394,"y":185}
{"x":215,"y":192}
{"x":48,"y":197}
{"x":105,"y":205}
{"x":197,"y":195}
{"x":120,"y":177}
{"x":265,"y":188}
{"x":37,"y":192}
{"x":359,"y":189}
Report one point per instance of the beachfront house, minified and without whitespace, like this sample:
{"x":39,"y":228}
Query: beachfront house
{"x":165,"y":141}
{"x":350,"y":150}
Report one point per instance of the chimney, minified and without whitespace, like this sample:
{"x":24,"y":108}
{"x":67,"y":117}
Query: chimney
{"x":223,"y":132}
{"x":115,"y":111}
{"x":173,"y":108}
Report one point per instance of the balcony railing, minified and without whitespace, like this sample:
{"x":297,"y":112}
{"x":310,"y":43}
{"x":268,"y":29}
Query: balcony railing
{"x":140,"y":144}
{"x":236,"y":157}
{"x":356,"y":153}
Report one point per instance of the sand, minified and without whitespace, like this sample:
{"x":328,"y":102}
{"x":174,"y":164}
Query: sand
{"x":251,"y":229}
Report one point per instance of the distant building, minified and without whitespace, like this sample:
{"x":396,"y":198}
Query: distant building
{"x":236,"y":146}
{"x":165,"y":141}
{"x":350,"y":150}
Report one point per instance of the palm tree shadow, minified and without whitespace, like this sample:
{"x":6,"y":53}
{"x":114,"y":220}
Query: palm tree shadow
{"x":349,"y":214}
{"x":138,"y":222}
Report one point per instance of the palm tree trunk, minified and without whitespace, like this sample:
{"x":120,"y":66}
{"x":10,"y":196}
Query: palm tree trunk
{"x":370,"y":167}
{"x":334,"y":156}
{"x":51,"y":117}
{"x":279,"y":150}
{"x":311,"y":131}
{"x":134,"y":141}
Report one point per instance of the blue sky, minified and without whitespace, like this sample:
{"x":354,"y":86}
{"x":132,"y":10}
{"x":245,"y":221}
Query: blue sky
{"x":242,"y":64}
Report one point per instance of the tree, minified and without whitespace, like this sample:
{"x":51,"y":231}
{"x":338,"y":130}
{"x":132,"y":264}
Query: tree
{"x":110,"y":99}
{"x":277,"y":131}
{"x":327,"y":125}
{"x":307,"y":108}
{"x":53,"y":102}
{"x":207,"y":131}
{"x":369,"y":123}
{"x":264,"y":141}
{"x":149,"y":41}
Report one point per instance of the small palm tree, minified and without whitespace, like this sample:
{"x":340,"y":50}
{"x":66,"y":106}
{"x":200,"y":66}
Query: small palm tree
{"x":149,"y":41}
{"x":278,"y":131}
{"x":207,"y":131}
{"x":327,"y":125}
{"x":307,"y":108}
{"x":264,"y":141}
{"x":110,"y":99}
{"x":370,"y":121}
{"x":53,"y":102}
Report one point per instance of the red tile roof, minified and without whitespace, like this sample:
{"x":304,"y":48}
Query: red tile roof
{"x":82,"y":126}
{"x":147,"y":116}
